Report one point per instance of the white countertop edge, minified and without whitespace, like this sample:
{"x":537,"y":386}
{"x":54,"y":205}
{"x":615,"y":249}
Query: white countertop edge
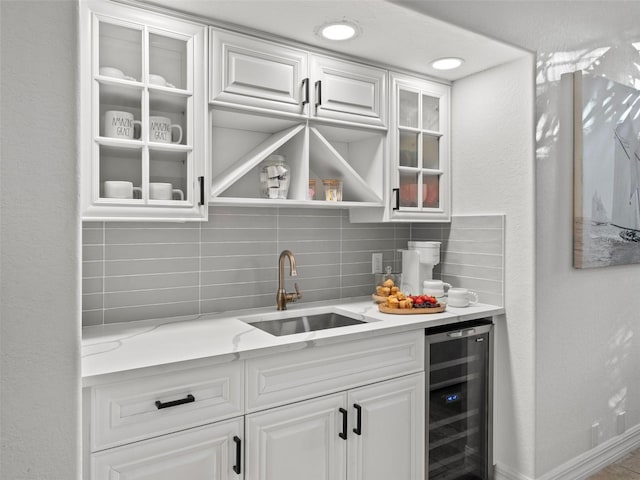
{"x":117,"y":352}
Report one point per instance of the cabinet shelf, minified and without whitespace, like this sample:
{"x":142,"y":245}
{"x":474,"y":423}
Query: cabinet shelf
{"x":119,"y":143}
{"x":266,"y":202}
{"x":428,"y":171}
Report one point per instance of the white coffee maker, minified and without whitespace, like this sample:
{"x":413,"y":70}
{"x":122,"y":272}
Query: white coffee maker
{"x":417,"y":265}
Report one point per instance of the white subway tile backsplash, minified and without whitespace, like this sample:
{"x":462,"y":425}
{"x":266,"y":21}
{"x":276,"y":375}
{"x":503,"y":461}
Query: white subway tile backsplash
{"x":135,"y":271}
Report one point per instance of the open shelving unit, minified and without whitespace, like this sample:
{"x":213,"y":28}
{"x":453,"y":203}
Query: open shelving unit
{"x":313,"y":150}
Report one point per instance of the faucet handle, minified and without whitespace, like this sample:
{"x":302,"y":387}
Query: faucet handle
{"x":298,"y":294}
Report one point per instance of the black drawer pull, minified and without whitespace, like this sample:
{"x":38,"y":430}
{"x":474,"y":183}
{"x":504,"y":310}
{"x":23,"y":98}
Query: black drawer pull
{"x":188,"y":399}
{"x":343,"y":433}
{"x":358,"y":429}
{"x":318,"y":86}
{"x":305,"y":86}
{"x":201,"y":180}
{"x":236,"y":467}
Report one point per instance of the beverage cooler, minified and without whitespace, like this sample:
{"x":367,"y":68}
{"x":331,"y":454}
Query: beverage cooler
{"x":459,"y":401}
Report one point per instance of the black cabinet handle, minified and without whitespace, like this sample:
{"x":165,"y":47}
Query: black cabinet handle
{"x":358,"y":429}
{"x":305,"y":85}
{"x":343,"y":434}
{"x":318,"y":85}
{"x":201,"y":180}
{"x":236,"y":467}
{"x":397,"y":193}
{"x":188,"y":399}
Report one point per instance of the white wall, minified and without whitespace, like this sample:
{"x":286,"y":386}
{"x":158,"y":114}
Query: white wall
{"x":493,"y":172}
{"x":40,"y":329}
{"x":588,"y":321}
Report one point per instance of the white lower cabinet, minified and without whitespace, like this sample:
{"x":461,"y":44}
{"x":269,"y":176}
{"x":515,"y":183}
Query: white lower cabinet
{"x":369,"y":433}
{"x":297,"y":441}
{"x":352,"y":410}
{"x":390,"y":444}
{"x":204,"y":453}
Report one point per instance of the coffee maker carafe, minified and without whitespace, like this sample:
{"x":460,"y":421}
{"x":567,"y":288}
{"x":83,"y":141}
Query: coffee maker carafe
{"x":417,"y":265}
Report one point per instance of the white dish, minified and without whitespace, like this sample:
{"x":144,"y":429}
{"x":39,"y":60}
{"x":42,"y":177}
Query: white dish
{"x":111,"y":72}
{"x":157,"y":79}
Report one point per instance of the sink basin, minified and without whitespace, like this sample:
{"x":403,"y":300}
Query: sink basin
{"x":304,"y":323}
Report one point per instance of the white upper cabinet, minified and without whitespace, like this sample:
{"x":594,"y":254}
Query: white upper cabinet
{"x":348,"y":91}
{"x":418,"y":168}
{"x":143,"y":118}
{"x":325,"y":116}
{"x":255,"y":73}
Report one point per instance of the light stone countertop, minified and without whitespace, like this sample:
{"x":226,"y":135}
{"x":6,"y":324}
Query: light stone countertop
{"x":119,"y":351}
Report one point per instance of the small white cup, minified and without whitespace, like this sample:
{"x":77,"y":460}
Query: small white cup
{"x":161,"y":130}
{"x":118,"y":124}
{"x":118,"y":189}
{"x":461,"y":297}
{"x":164,"y":191}
{"x":435,"y":288}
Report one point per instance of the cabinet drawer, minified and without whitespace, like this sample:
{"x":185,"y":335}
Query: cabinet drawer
{"x":293,"y":376}
{"x":154,"y":405}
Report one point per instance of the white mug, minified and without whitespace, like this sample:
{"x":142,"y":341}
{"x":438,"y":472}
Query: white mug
{"x":164,"y":191}
{"x":118,"y":189}
{"x":119,"y":124}
{"x":161,"y":129}
{"x":461,"y":297}
{"x":435,"y":288}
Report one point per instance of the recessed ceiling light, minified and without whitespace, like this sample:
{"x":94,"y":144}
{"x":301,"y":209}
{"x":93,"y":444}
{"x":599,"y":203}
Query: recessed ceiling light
{"x":448,"y":63}
{"x":341,"y":30}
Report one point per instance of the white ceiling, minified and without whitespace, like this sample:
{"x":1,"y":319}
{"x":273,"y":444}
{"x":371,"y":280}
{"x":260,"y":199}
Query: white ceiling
{"x":541,"y":25}
{"x":391,"y":34}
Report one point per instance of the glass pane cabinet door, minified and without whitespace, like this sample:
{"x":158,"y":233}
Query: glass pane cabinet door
{"x":420,"y":139}
{"x":145,"y":98}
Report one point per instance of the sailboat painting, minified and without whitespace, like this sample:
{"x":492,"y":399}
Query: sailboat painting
{"x":606,"y":146}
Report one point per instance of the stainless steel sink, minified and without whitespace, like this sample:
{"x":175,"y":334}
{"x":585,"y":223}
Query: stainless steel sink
{"x":306,"y":323}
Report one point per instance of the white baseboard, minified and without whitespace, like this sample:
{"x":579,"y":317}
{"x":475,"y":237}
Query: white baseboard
{"x":584,"y":465}
{"x":502,"y":472}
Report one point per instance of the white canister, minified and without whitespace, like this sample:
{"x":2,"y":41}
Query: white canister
{"x":461,"y":297}
{"x":274,"y":177}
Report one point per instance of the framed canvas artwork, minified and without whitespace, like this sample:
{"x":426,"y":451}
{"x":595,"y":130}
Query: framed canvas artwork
{"x":606,"y":146}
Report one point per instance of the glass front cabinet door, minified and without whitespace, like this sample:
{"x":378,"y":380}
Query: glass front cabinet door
{"x":143,"y":115}
{"x":420,"y":171}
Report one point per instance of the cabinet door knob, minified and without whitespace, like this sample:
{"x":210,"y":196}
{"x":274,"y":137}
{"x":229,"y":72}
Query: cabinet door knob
{"x":358,"y":429}
{"x":343,"y":433}
{"x":236,"y":467}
